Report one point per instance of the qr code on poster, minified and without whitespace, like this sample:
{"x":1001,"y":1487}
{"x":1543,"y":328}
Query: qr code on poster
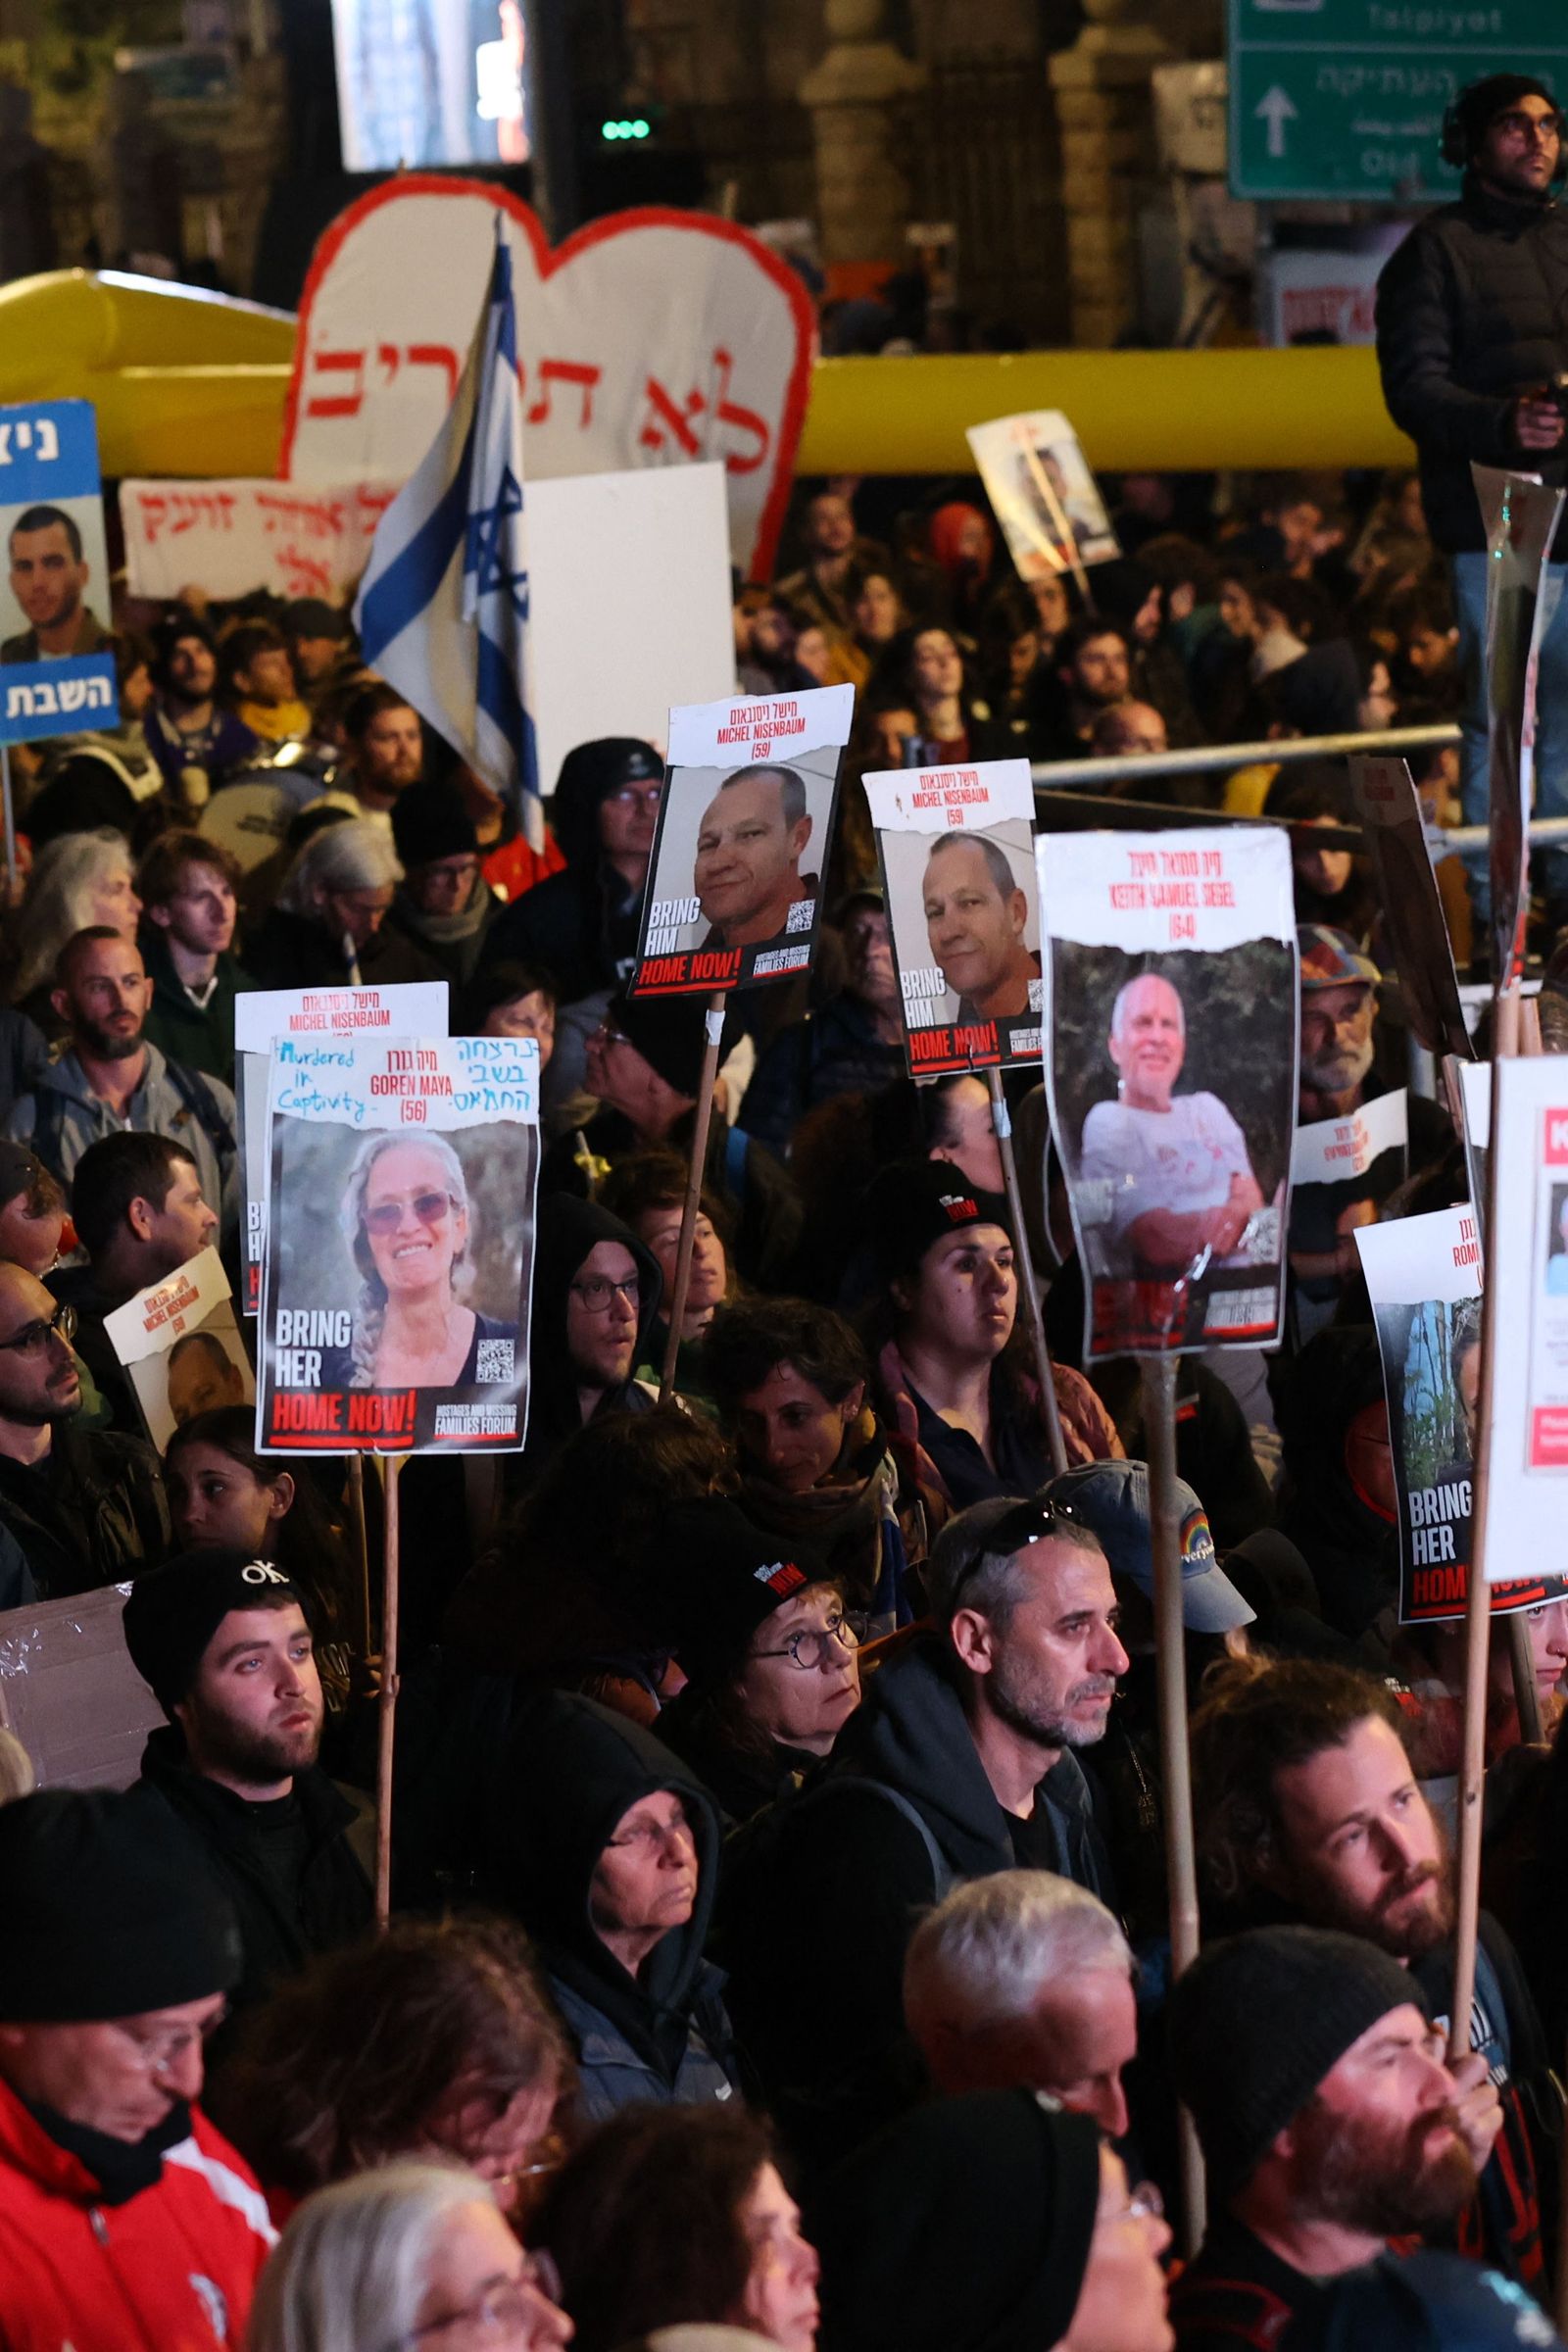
{"x":802,"y":915}
{"x":495,"y":1361}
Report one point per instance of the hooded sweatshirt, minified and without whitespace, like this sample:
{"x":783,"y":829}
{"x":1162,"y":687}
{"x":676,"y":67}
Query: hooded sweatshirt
{"x":580,"y":923}
{"x":567,"y":1230}
{"x":574,"y":1769}
{"x":831,"y":1892}
{"x":63,"y":1115}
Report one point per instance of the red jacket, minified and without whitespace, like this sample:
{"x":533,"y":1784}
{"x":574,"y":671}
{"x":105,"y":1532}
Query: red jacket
{"x":172,"y":2270}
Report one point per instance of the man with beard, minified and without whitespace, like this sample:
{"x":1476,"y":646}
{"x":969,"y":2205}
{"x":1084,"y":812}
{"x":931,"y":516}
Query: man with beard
{"x":1308,"y":1810}
{"x":962,"y":1761}
{"x":975,"y":919}
{"x":225,"y":1644}
{"x":1328,"y":2121}
{"x":106,"y":1077}
{"x":1173,"y":1173}
{"x":184,"y":725}
{"x":385,"y":748}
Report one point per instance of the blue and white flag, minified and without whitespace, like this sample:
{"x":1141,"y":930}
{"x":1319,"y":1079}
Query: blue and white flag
{"x":443,"y":607}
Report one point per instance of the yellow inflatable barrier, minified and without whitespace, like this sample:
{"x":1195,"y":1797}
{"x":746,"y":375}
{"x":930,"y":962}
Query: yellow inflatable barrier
{"x":193,"y":383}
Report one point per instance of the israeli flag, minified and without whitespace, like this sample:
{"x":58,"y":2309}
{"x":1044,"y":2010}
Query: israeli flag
{"x":443,"y":607}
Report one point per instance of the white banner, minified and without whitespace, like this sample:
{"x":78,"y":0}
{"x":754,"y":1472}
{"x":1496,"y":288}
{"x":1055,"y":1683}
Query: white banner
{"x":1529,"y":1267}
{"x":237,"y":536}
{"x":641,"y":342}
{"x":1330,"y":1149}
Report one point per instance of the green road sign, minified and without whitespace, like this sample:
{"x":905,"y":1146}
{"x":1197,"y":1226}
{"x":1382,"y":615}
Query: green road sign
{"x":1345,"y":98}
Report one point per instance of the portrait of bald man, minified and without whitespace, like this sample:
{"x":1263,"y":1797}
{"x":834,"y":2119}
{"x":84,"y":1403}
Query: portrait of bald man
{"x":1173,"y":1169}
{"x":976,"y":915}
{"x":202,"y":1375}
{"x":746,"y":874}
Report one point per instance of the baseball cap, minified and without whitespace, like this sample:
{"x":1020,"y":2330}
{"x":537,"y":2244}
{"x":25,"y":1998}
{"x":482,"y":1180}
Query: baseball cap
{"x":1112,"y":1500}
{"x":1331,"y":959}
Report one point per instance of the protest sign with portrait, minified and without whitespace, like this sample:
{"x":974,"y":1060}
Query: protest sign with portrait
{"x":735,"y":882}
{"x":57,"y":665}
{"x":1424,"y":1279}
{"x":956,"y":846}
{"x":1527,"y":1264}
{"x":262,"y":1015}
{"x":1043,"y":494}
{"x":181,"y":1346}
{"x":1170,"y":963}
{"x":400,"y":1233}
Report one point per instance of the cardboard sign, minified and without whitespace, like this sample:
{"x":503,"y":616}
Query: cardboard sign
{"x":1528,"y":1267}
{"x":1429,"y":986}
{"x":1521,"y":521}
{"x":1042,"y":493}
{"x":70,"y":1693}
{"x":262,"y":1015}
{"x":1341,"y":1172}
{"x":734,"y":892}
{"x":1171,"y":1013}
{"x":238,"y":536}
{"x":1424,"y":1278}
{"x":57,"y":676}
{"x":647,"y":339}
{"x":180,"y":1345}
{"x":400,"y":1230}
{"x":956,"y":848}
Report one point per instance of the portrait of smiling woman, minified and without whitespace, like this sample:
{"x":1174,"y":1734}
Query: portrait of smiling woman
{"x":408,"y":1224}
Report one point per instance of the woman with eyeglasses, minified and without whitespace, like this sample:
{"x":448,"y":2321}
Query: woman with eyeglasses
{"x":770,"y":1655}
{"x":607,"y":1850}
{"x":406,"y":1219}
{"x":408,"y":2258}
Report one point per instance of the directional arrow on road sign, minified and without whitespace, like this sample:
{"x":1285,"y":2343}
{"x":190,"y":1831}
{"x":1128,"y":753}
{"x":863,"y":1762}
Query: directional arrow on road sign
{"x":1276,"y":109}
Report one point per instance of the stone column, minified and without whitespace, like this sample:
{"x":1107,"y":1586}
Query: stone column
{"x":863,"y":195}
{"x":1109,"y":163}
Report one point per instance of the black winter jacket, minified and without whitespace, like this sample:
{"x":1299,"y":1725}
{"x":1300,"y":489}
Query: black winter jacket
{"x":1472,"y":310}
{"x":91,"y":1513}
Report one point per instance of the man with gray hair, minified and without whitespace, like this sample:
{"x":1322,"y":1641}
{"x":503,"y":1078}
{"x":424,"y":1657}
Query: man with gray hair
{"x":961,"y":1762}
{"x":1024,"y":1979}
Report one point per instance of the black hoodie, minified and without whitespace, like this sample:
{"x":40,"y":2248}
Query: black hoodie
{"x":581,"y":923}
{"x":567,"y":1230}
{"x":829,"y":1888}
{"x":573,"y":1769}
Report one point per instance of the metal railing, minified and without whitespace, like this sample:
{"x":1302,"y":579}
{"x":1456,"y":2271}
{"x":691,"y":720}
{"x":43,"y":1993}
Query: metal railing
{"x":1210,"y":759}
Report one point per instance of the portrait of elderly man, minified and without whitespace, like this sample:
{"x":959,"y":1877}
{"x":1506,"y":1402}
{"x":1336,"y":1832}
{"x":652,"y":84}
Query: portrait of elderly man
{"x":975,"y":918}
{"x":746,"y":874}
{"x":1172,"y":1170}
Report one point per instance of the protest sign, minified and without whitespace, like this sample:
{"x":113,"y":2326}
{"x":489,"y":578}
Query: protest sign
{"x":262,"y":1015}
{"x":1527,"y":1270}
{"x":1424,"y":1279}
{"x":1341,"y":1172}
{"x":1407,"y":888}
{"x":294,"y":538}
{"x":646,"y":339}
{"x":956,"y":846}
{"x":57,"y":672}
{"x":70,"y":1693}
{"x":1170,"y":963}
{"x":400,"y":1323}
{"x":1521,"y":521}
{"x":1043,"y":494}
{"x":180,"y":1345}
{"x":735,"y":882}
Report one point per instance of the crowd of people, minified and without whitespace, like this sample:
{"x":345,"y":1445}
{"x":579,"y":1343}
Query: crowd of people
{"x":816,"y":1676}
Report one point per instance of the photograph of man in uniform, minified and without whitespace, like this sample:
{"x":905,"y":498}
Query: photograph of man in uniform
{"x":746,"y":874}
{"x":1174,"y":1168}
{"x":975,"y":919}
{"x":48,"y":574}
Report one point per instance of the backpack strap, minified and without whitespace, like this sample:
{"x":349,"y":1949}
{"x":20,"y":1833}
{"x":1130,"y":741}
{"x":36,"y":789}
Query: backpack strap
{"x":199,"y":1099}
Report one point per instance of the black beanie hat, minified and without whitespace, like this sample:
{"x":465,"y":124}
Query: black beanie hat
{"x":1484,"y":101}
{"x":110,"y":1910}
{"x":964,"y":2227}
{"x":666,"y":1031}
{"x":429,"y":821}
{"x":732,"y":1579}
{"x":172,"y":1613}
{"x":917,"y":1203}
{"x":1257,"y":2022}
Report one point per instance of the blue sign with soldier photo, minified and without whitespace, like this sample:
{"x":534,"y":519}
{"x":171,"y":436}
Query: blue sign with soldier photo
{"x":57,"y":665}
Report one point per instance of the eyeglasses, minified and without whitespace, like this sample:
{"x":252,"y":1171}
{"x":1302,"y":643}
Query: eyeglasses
{"x":501,"y":2310}
{"x":429,"y":1207}
{"x":1026,"y":1523}
{"x":33,"y":1338}
{"x":607,"y":1035}
{"x":1144,"y":2204}
{"x":810,"y":1647}
{"x":598,"y":1290}
{"x":1548,"y":127}
{"x":156,"y":2053}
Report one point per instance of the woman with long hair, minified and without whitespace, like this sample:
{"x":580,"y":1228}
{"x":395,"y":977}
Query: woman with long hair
{"x":408,"y":1221}
{"x":77,"y":880}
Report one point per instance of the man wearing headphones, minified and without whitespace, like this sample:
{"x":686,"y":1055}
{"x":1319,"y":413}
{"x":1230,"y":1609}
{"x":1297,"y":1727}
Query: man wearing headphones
{"x":1472,"y":317}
